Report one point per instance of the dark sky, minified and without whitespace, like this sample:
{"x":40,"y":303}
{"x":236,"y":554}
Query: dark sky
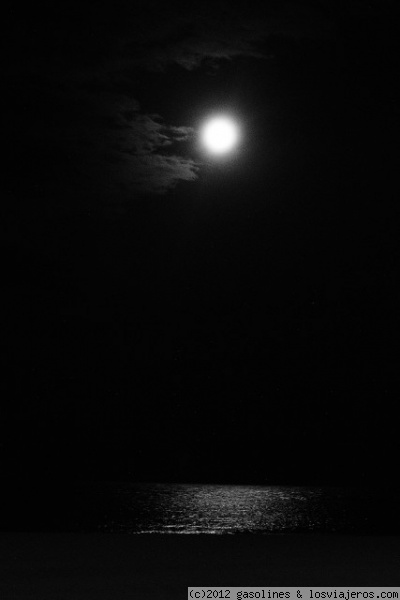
{"x":172,"y":316}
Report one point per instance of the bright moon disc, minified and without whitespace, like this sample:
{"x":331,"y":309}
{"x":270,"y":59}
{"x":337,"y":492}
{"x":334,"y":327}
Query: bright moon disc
{"x":220,"y":135}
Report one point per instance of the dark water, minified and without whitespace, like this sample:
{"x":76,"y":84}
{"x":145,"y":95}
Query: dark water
{"x":230,"y":509}
{"x":202,"y":509}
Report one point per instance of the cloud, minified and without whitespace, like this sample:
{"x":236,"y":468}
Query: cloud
{"x":158,"y":173}
{"x":79,"y":80}
{"x":138,"y":146}
{"x":217,"y":31}
{"x":100,"y":141}
{"x":138,"y":151}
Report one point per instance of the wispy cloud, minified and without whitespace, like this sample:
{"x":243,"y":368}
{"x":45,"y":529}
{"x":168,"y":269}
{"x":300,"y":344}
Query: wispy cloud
{"x":83,"y":78}
{"x":142,"y":148}
{"x":219,"y":32}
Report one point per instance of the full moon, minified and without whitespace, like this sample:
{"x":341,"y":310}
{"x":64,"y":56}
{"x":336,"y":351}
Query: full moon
{"x":220,"y":135}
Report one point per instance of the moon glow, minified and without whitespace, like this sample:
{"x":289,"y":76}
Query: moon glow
{"x":220,"y":135}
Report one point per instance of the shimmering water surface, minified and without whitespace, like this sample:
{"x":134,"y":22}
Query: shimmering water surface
{"x":225,"y":509}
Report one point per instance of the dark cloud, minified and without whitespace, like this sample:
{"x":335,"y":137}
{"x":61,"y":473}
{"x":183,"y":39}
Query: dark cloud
{"x":138,"y":147}
{"x":158,"y":173}
{"x":100,"y":141}
{"x":187,"y":36}
{"x":82,"y":74}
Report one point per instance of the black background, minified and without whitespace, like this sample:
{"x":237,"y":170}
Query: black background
{"x":242,"y":327}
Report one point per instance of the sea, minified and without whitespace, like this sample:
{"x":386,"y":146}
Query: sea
{"x":193,"y":509}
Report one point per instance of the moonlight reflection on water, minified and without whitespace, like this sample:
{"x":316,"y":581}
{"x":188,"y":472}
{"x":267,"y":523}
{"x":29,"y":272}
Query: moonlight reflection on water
{"x":226,"y":509}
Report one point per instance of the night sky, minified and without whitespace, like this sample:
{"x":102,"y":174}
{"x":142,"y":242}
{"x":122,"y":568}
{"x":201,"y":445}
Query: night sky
{"x":173,"y":316}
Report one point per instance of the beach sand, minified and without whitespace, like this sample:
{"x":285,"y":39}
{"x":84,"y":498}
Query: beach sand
{"x":117,"y":567}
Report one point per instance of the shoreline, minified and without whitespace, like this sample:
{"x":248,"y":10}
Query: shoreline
{"x":106,"y":566}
